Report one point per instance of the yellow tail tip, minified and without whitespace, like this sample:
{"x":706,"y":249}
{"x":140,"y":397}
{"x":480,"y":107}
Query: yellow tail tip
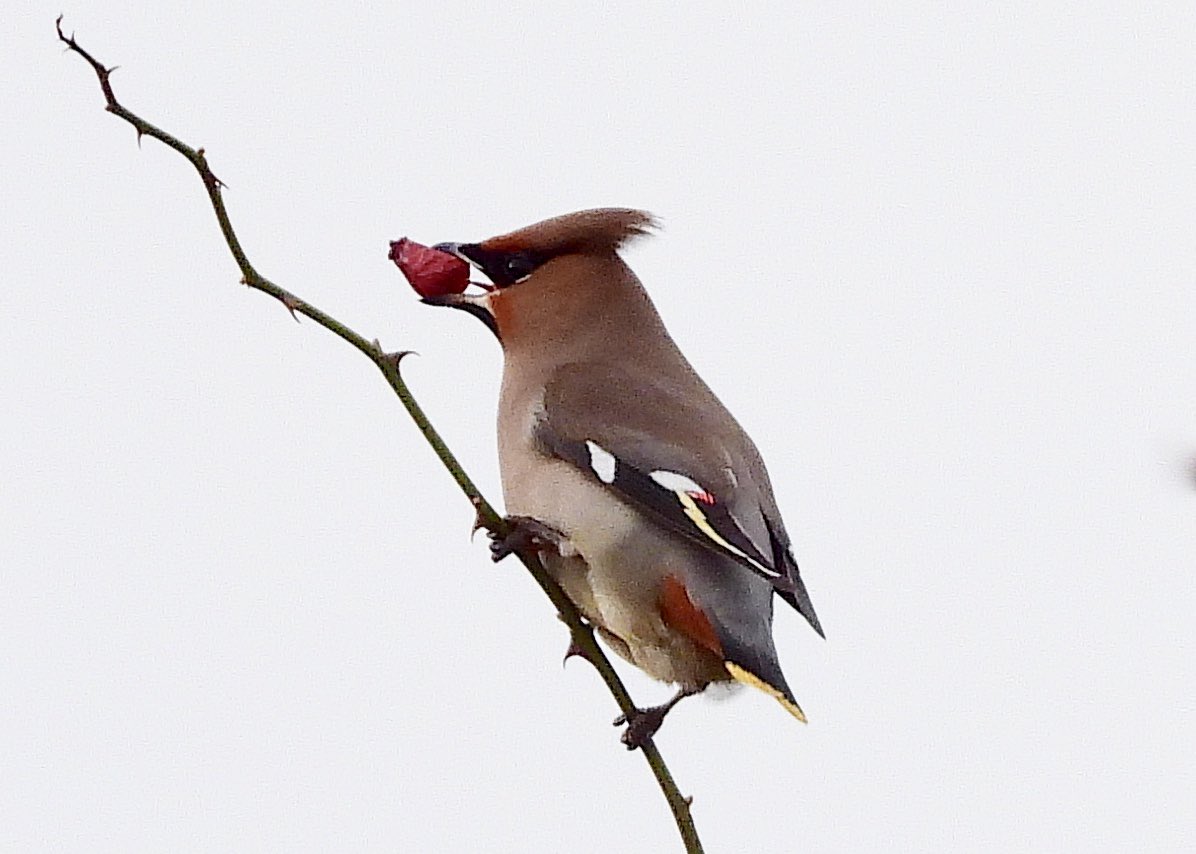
{"x":749,"y":678}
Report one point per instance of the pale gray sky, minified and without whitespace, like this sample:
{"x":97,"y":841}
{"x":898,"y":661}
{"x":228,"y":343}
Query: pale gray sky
{"x":939,"y":261}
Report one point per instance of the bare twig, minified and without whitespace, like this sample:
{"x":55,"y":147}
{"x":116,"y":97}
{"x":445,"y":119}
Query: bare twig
{"x":582,"y":640}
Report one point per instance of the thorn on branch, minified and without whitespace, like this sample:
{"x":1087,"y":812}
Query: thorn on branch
{"x":578,"y":649}
{"x":572,"y":650}
{"x":478,"y":522}
{"x":393,"y":358}
{"x":100,"y":70}
{"x":210,"y":180}
{"x":291,"y":304}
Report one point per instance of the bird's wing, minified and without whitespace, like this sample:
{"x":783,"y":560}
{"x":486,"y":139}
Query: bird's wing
{"x":680,"y":458}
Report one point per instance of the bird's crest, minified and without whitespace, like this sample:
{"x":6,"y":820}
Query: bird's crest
{"x":598,"y":230}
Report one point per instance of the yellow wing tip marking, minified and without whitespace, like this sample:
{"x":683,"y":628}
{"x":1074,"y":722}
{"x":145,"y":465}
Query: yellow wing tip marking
{"x":695,"y":514}
{"x":748,"y":678}
{"x":699,"y":518}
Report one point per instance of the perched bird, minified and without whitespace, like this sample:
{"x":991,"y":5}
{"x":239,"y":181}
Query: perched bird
{"x":648,"y":502}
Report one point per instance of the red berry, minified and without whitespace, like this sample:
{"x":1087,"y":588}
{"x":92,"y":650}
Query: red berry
{"x":431,"y":272}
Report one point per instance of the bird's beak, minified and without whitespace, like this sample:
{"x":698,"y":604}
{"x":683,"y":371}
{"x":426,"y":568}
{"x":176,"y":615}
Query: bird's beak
{"x":451,"y":300}
{"x":456,"y":249}
{"x":476,"y":304}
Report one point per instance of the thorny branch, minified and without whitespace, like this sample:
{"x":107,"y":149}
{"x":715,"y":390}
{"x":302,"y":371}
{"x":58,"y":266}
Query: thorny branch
{"x":583,"y":642}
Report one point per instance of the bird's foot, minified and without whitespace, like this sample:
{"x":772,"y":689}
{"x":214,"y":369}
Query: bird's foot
{"x":642,"y":724}
{"x":524,"y":534}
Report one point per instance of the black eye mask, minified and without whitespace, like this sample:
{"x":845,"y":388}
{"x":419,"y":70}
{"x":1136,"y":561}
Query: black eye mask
{"x":503,"y":268}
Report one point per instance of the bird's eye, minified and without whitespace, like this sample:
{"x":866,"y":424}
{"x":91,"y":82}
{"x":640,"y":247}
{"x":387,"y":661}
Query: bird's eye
{"x":504,"y":268}
{"x":518,"y":266}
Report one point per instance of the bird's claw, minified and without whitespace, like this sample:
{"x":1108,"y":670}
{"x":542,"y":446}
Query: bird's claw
{"x":642,"y":724}
{"x":524,"y":534}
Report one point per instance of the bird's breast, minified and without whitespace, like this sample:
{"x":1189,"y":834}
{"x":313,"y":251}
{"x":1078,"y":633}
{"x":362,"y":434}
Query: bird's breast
{"x":619,"y":563}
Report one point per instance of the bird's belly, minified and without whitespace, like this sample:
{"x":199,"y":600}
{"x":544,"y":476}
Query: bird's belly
{"x":615,"y":577}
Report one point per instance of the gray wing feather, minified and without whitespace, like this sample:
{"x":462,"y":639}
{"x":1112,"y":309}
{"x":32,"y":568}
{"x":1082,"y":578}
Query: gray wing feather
{"x":653,"y":424}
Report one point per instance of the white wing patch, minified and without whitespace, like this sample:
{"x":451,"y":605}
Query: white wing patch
{"x":700,"y":510}
{"x":602,"y":462}
{"x":675,"y":482}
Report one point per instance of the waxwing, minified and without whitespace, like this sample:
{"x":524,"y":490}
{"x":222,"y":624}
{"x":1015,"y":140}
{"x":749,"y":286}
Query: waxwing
{"x":647,"y":501}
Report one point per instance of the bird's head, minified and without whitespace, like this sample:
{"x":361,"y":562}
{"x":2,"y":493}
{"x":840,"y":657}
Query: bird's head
{"x":542,"y":270}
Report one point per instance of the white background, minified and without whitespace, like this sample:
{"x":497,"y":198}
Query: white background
{"x":939,"y":262}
